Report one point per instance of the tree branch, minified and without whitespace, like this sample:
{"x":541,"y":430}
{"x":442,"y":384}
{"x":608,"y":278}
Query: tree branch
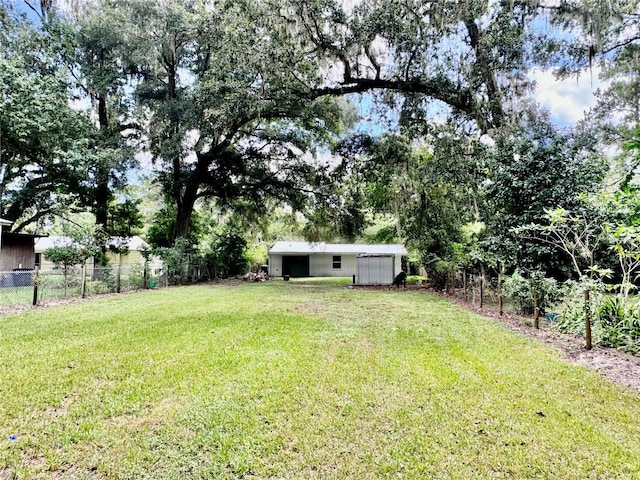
{"x":439,"y":88}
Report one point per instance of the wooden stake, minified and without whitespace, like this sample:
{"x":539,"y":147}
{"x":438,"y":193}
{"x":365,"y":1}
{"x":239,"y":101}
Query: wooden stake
{"x":36,"y":281}
{"x":482,"y":288}
{"x":500,"y":297}
{"x":464,"y":283}
{"x":587,"y":320}
{"x":83,"y":282}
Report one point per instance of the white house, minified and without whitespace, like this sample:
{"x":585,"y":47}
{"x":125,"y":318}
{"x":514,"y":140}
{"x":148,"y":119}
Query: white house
{"x":135,"y":246}
{"x":306,"y":259}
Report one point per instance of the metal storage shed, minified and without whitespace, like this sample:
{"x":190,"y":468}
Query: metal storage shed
{"x":375,"y":269}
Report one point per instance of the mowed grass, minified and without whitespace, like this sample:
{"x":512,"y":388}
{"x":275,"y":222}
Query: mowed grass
{"x":298,"y":380}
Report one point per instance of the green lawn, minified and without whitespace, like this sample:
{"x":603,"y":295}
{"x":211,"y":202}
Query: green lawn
{"x":298,"y":380}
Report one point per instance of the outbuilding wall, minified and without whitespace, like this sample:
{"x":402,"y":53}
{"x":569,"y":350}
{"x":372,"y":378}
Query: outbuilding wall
{"x":17,"y":252}
{"x":321,"y":265}
{"x":275,"y":265}
{"x":376,"y":269}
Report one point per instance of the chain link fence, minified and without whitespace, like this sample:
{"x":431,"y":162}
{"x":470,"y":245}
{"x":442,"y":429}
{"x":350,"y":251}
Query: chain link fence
{"x":38,"y":287}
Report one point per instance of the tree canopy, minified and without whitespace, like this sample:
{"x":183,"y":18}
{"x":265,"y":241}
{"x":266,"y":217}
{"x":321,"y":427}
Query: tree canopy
{"x":244,"y":106}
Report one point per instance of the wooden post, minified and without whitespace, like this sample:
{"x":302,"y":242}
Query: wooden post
{"x":464,"y":283}
{"x":482,"y":287}
{"x":587,"y":320}
{"x":36,"y":281}
{"x":536,"y":313}
{"x":118,"y":279}
{"x":84,"y":279}
{"x":500,"y":297}
{"x":473,"y":290}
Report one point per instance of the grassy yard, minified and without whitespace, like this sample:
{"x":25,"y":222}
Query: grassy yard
{"x":298,"y":380}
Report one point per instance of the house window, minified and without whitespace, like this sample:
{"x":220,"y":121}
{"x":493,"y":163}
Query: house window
{"x":38,"y":260}
{"x":337,"y":261}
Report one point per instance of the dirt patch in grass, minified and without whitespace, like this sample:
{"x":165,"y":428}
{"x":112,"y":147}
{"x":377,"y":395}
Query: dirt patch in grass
{"x":63,"y":409}
{"x":7,"y":474}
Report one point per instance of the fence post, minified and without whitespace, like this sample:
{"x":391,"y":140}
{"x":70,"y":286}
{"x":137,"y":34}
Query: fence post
{"x":118,"y":279}
{"x":36,"y":281}
{"x":464,"y":283}
{"x":473,"y":290}
{"x":587,"y":320}
{"x":482,"y":287}
{"x":83,"y":281}
{"x":500,"y":296}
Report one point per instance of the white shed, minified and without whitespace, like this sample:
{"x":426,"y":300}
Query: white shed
{"x":319,"y":259}
{"x":375,"y":269}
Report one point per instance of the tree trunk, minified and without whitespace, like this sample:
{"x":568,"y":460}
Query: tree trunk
{"x":102,"y":190}
{"x":102,"y":193}
{"x":183,"y":215}
{"x":536,"y":313}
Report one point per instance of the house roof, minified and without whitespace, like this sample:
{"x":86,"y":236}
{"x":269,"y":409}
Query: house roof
{"x":43,"y":243}
{"x":285,"y":247}
{"x":134,"y":243}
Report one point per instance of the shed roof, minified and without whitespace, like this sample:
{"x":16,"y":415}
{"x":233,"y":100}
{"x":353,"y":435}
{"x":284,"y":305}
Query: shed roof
{"x":285,"y":247}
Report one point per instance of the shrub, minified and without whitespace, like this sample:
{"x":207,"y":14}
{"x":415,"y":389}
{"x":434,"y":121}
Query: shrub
{"x":227,"y":256}
{"x":522,"y":291}
{"x":571,"y":320}
{"x":614,"y":323}
{"x":175,"y":260}
{"x":517,"y":288}
{"x":441,"y":275}
{"x":136,"y":277}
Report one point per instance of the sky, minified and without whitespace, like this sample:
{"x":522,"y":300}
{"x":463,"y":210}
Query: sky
{"x":567,"y":100}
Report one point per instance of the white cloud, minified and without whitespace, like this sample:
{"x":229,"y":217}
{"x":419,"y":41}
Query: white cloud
{"x":568,"y":99}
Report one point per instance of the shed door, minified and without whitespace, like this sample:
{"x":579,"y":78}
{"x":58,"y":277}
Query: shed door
{"x":295,"y":266}
{"x":375,"y":270}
